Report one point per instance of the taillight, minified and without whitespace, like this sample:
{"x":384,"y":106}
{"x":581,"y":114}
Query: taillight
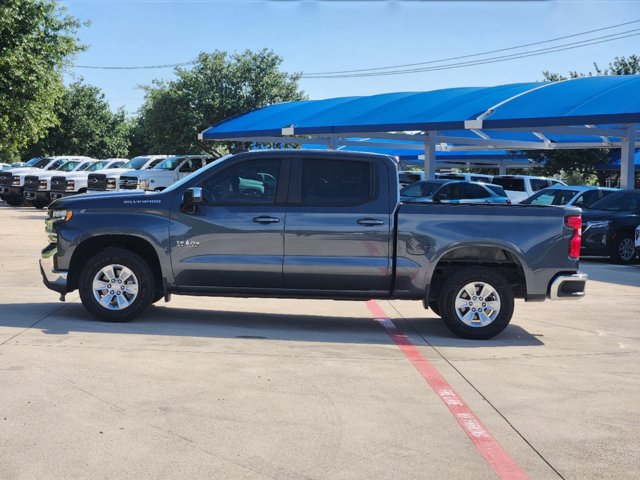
{"x":575,"y":223}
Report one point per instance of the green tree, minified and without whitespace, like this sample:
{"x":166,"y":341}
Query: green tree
{"x":86,"y":126}
{"x":220,"y":85}
{"x":580,"y":164}
{"x":37,"y":37}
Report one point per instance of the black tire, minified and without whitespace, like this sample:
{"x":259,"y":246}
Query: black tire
{"x":496,"y":319}
{"x":435,"y":307}
{"x":13,"y":201}
{"x":623,"y":250}
{"x":142,"y":277}
{"x":40,"y":205}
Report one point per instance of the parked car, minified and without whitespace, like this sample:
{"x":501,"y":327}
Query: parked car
{"x":37,"y":187}
{"x":345,"y":237}
{"x":165,"y":173}
{"x":110,"y":181}
{"x":453,"y":191}
{"x":77,"y":182}
{"x":521,"y":187}
{"x":576,"y":195}
{"x":4,"y":166}
{"x":469,"y":177}
{"x":12,"y":181}
{"x":609,"y":226}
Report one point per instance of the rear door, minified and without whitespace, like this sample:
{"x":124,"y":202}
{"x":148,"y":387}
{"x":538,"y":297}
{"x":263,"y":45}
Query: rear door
{"x":338,"y":235}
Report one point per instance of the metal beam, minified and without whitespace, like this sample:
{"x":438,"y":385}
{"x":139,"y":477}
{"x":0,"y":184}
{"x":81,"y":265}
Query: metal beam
{"x":627,"y":158}
{"x":430,"y":155}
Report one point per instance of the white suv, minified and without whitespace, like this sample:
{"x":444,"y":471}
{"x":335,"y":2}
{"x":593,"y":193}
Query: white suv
{"x":165,"y":173}
{"x":521,"y":187}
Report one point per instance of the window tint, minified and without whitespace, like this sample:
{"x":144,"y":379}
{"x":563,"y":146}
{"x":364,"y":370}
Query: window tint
{"x":191,"y":165}
{"x":471,"y":191}
{"x":537,"y":184}
{"x":619,"y":203}
{"x":480,"y":178}
{"x":513,"y":184}
{"x":587,"y":198}
{"x":451,"y":190}
{"x":252,"y":181}
{"x":407,"y":178}
{"x":496,"y":189}
{"x":335,"y":182}
{"x":420,"y":189}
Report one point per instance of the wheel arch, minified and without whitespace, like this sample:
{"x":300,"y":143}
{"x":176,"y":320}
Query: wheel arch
{"x":92,"y":245}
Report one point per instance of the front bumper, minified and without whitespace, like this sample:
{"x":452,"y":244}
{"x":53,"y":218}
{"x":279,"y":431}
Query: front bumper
{"x":53,"y":279}
{"x":39,"y":196}
{"x":568,"y":287}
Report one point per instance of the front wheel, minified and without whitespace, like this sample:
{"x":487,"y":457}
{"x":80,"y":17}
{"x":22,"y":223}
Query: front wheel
{"x":623,"y":250}
{"x":476,"y":303}
{"x":116,"y":285}
{"x":13,"y":201}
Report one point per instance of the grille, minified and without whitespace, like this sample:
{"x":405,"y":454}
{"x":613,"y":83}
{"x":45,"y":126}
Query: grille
{"x":128,"y":183}
{"x":31,"y":182}
{"x":97,"y":181}
{"x":58,"y":184}
{"x":6,"y":179}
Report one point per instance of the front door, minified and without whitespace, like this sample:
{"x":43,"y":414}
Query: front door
{"x":234,"y":239}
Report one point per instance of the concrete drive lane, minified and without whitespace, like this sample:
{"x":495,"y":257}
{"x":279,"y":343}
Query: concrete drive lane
{"x":262,"y":388}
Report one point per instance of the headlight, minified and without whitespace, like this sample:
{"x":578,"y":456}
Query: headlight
{"x":143,"y":184}
{"x":60,"y":215}
{"x":16,"y":181}
{"x":71,"y":185}
{"x":598,"y":224}
{"x":42,"y":185}
{"x":111,"y":183}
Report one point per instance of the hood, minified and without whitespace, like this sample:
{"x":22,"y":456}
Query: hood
{"x":105,"y":200}
{"x":83,"y":174}
{"x":114,"y":172}
{"x":24,"y":170}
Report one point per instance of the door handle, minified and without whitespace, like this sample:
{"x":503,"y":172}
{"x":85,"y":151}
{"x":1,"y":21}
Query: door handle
{"x":264,"y":219}
{"x":370,"y":222}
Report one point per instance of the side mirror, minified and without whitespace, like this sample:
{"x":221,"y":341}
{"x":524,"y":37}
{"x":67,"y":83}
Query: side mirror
{"x":191,"y":198}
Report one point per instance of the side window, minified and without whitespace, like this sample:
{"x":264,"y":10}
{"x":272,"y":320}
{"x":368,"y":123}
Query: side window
{"x":452,"y":191}
{"x":191,"y":165}
{"x":249,"y":182}
{"x":537,"y":184}
{"x":472,"y":191}
{"x":587,"y":198}
{"x":335,"y":182}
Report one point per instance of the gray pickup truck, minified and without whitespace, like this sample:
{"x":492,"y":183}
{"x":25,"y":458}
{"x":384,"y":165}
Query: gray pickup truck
{"x":305,"y":224}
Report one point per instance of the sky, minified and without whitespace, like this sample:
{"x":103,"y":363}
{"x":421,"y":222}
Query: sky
{"x":328,"y":36}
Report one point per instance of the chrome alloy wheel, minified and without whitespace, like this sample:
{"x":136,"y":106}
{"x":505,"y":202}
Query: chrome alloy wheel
{"x":115,"y":287}
{"x":477,"y":304}
{"x":627,"y":249}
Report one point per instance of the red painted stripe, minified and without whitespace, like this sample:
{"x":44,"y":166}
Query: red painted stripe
{"x":496,"y":456}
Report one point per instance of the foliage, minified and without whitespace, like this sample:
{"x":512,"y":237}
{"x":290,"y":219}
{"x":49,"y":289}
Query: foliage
{"x":86,"y":126}
{"x":619,"y":66}
{"x":219,"y":86}
{"x":37,"y":38}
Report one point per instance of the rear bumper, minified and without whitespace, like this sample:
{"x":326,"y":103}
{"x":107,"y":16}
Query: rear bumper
{"x":568,"y":287}
{"x":55,"y":280}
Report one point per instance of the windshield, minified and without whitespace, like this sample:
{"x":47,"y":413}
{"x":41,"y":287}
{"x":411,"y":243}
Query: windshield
{"x":170,"y":163}
{"x":408,"y":177}
{"x":136,"y":163}
{"x":92,"y":167}
{"x":420,"y":189}
{"x":85,"y":166}
{"x":34,"y":161}
{"x":39,"y":163}
{"x":551,"y":196}
{"x":513,"y":184}
{"x":68,"y":166}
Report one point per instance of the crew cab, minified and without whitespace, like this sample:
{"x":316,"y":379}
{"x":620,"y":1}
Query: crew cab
{"x":165,"y":173}
{"x":77,"y":182}
{"x":37,"y":187}
{"x":309,"y":224}
{"x":12,"y":181}
{"x":110,"y":181}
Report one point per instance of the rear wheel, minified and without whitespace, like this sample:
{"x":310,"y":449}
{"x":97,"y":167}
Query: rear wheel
{"x":116,"y":285}
{"x":476,"y":303}
{"x":13,"y":201}
{"x":623,"y":249}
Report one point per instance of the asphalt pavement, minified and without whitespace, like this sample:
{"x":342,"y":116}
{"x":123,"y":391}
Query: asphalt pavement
{"x":300,"y":389}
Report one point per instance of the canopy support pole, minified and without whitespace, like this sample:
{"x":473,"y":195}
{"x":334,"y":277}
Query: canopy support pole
{"x":430,"y":155}
{"x":502,"y":168}
{"x":627,"y":157}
